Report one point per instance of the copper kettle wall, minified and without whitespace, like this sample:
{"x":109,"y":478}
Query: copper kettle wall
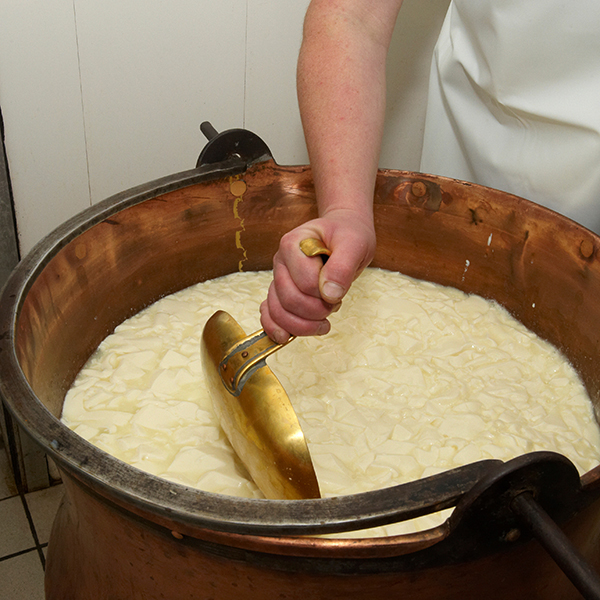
{"x":121,"y":533}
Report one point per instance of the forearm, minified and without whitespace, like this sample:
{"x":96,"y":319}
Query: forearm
{"x":341,"y":92}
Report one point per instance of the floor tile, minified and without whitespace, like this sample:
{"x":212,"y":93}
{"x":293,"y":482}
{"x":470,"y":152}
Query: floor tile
{"x":22,"y":577}
{"x":7,"y":482}
{"x":43,"y":505}
{"x":15,"y":533}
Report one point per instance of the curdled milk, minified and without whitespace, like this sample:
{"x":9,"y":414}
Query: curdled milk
{"x":414,"y":379}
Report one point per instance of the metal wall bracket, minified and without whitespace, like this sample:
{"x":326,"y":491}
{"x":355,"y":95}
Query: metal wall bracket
{"x":520,"y":499}
{"x":232,"y":144}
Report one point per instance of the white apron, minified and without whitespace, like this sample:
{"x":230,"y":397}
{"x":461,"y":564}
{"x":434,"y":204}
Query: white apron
{"x":514,"y":101}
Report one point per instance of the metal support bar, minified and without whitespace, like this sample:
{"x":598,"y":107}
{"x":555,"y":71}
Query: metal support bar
{"x":208,"y":130}
{"x":558,"y":546}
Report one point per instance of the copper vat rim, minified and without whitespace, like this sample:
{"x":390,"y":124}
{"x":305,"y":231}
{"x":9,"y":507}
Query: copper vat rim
{"x":150,"y":495}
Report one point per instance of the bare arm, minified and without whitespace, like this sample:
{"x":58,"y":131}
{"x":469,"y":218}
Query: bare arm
{"x":341,"y":92}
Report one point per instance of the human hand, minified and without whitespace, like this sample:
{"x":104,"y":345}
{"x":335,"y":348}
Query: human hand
{"x":304,"y":292}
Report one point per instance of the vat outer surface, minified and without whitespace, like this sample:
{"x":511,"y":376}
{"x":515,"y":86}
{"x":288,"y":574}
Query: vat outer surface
{"x":112,"y":537}
{"x":136,"y":560}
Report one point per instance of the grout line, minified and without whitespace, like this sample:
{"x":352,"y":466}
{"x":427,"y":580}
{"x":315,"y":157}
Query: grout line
{"x":36,"y":539}
{"x":17,"y":554}
{"x":37,"y":547}
{"x":245,"y":63}
{"x":11,"y":442}
{"x":85,"y":139}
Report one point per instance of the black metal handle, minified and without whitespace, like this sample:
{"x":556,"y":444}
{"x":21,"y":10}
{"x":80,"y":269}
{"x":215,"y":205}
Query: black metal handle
{"x":557,"y":544}
{"x":237,"y":145}
{"x":523,"y":498}
{"x":208,"y":130}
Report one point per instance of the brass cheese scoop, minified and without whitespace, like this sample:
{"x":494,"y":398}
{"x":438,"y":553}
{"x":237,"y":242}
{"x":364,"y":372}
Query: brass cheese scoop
{"x":253,"y":408}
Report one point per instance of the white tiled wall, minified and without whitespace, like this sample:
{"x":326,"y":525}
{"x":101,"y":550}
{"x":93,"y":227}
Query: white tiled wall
{"x":41,"y":107}
{"x":150,"y":73}
{"x":274,"y":36}
{"x":100,"y":96}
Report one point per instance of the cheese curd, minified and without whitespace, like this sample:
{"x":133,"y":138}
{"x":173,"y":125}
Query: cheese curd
{"x":413,"y":379}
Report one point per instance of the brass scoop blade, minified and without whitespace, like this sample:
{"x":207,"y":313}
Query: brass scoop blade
{"x":254,"y":410}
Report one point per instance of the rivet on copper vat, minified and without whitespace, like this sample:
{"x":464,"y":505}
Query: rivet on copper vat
{"x":124,"y":534}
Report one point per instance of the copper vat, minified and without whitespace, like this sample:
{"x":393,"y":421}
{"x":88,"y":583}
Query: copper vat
{"x":123,"y":534}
